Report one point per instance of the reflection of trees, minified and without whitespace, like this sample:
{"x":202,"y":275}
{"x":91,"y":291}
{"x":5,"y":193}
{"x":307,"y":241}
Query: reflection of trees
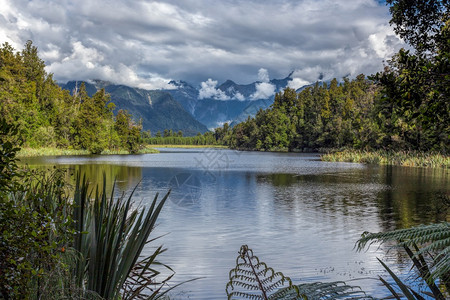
{"x":387,"y":198}
{"x":415,"y":196}
{"x":400,"y":197}
{"x":327,"y":194}
{"x":126,"y":177}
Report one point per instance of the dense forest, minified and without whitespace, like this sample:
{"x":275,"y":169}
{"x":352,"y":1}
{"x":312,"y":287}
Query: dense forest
{"x":48,"y":116}
{"x":333,"y":115}
{"x":169,"y":137}
{"x":404,"y":107}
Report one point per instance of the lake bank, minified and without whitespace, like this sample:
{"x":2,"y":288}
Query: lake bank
{"x":395,"y":158}
{"x":52,"y":151}
{"x":189,"y":146}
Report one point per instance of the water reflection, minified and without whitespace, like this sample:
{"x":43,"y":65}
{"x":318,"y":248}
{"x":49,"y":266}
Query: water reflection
{"x":300,"y":215}
{"x":126,"y":177}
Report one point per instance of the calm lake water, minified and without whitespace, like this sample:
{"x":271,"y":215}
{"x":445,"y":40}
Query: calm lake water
{"x":299,"y":215}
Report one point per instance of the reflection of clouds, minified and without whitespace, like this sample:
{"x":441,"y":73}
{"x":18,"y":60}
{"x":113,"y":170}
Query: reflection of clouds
{"x":185,"y":188}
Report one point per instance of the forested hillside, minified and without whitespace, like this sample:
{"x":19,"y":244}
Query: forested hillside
{"x":51,"y":117}
{"x":320,"y":116}
{"x":354,"y":114}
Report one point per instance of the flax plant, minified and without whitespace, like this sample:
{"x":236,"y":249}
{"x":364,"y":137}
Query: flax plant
{"x":111,"y":235}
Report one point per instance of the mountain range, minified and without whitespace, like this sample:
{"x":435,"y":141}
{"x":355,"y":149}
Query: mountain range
{"x":183,"y":108}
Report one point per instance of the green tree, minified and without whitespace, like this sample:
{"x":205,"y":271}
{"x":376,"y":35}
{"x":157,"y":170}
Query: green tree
{"x":421,"y":23}
{"x":414,"y":107}
{"x":93,"y":119}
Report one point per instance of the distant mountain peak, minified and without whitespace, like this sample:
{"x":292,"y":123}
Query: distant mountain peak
{"x":180,"y":84}
{"x":100,"y":84}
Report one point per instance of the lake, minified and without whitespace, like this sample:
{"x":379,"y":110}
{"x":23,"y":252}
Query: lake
{"x":300,"y":215}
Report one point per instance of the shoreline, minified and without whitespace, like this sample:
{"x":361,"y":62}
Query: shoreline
{"x":53,"y":151}
{"x":378,"y":157}
{"x":188,"y":146}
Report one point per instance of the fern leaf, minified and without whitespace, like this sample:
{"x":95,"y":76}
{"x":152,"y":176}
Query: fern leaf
{"x":329,"y":291}
{"x":436,"y":234}
{"x":253,"y":279}
{"x":433,"y":238}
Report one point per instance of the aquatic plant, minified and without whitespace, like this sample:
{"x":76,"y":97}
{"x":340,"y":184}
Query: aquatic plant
{"x":382,"y":157}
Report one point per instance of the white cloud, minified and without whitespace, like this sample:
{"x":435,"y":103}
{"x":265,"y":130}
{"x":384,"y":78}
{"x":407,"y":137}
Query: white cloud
{"x":208,"y":91}
{"x":297,"y":82}
{"x":263,"y":75}
{"x":159,"y":40}
{"x":264,"y":90}
{"x":383,"y":42}
{"x":238,"y":96}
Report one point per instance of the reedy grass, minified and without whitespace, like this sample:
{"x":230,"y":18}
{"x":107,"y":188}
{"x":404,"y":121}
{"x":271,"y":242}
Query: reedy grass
{"x":52,"y":151}
{"x":49,"y":151}
{"x":396,"y":158}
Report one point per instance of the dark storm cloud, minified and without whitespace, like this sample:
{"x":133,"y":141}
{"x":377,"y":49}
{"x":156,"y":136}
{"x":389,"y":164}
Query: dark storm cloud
{"x":147,"y":43}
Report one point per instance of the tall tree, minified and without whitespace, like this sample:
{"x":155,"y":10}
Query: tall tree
{"x":414,"y":105}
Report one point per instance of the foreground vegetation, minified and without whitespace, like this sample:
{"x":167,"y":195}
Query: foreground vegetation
{"x":427,"y":248}
{"x":397,"y":158}
{"x":77,"y":243}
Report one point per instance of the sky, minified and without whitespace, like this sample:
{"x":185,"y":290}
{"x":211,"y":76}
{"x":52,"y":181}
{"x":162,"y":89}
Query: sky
{"x":204,"y":42}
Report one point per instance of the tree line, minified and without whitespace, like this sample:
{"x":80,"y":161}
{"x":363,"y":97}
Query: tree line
{"x":48,"y":116}
{"x":404,"y":107}
{"x":176,"y":138}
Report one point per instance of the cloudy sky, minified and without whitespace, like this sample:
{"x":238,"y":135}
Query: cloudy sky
{"x":147,"y":43}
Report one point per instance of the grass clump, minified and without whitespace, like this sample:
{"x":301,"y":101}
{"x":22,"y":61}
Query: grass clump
{"x":53,"y":151}
{"x":49,"y":151}
{"x":396,"y":158}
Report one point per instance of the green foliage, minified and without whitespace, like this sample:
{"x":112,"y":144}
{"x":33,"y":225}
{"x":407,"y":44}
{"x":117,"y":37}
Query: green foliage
{"x":128,"y":131}
{"x":432,"y":239}
{"x":173,"y":138}
{"x":414,"y":106}
{"x":321,"y":116}
{"x":252,"y":279}
{"x":420,"y":22}
{"x":47,"y":116}
{"x":399,"y":158}
{"x":8,"y":151}
{"x":31,"y":255}
{"x":327,"y":290}
{"x":71,"y":247}
{"x":111,"y":235}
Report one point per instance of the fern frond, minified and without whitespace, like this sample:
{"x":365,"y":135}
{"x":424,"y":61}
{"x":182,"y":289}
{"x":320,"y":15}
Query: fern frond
{"x":433,"y":238}
{"x":329,"y":291}
{"x":253,"y":279}
{"x":436,"y":234}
